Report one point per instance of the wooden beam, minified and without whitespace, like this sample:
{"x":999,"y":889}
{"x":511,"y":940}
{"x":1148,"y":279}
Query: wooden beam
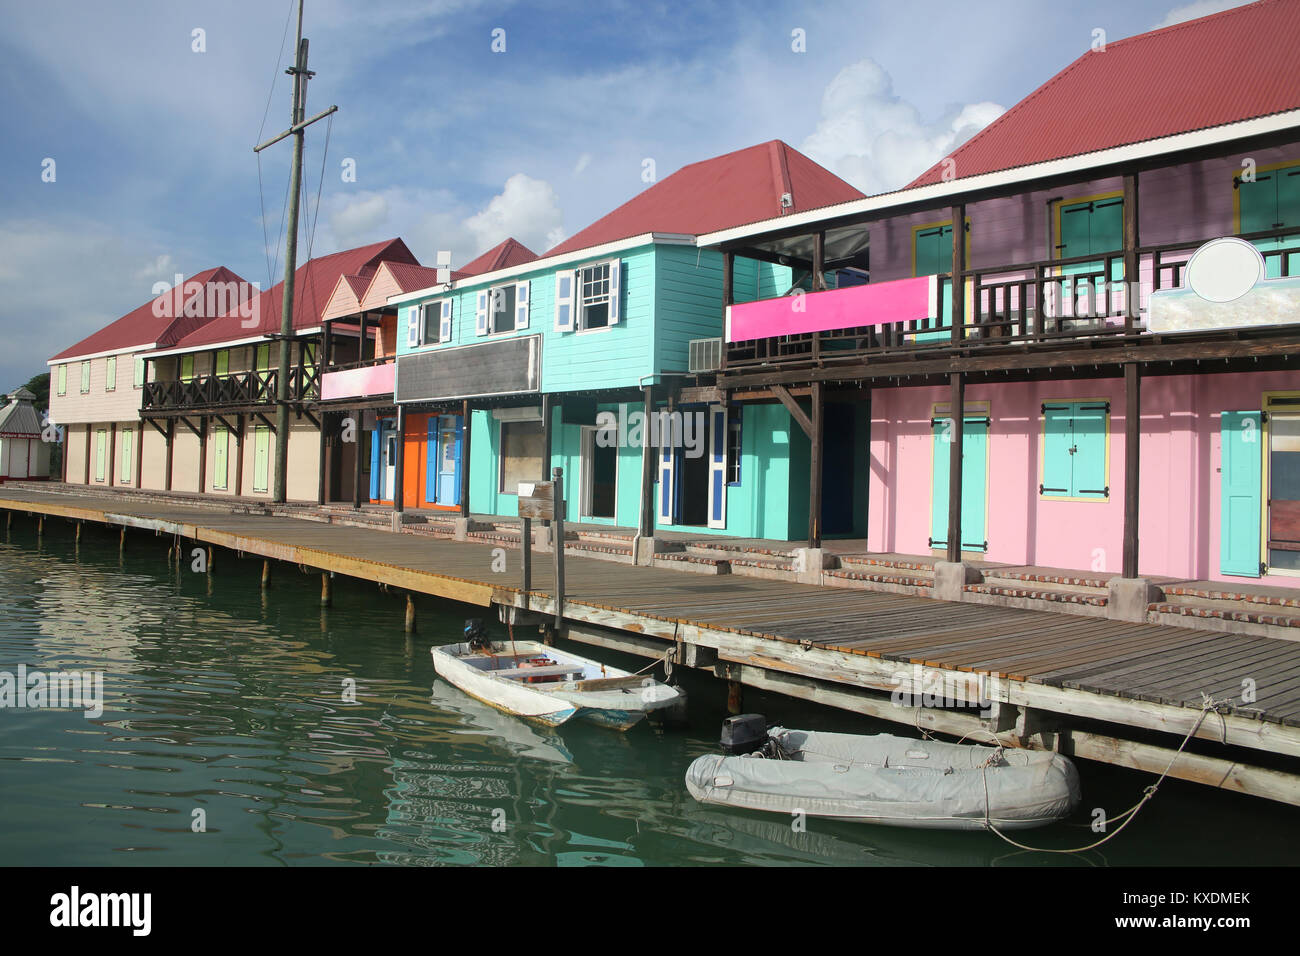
{"x":957,"y":401}
{"x":322,"y":459}
{"x":239,"y":456}
{"x":139,"y":457}
{"x":89,"y":428}
{"x":358,"y":418}
{"x":801,"y":418}
{"x":203,"y":456}
{"x":112,"y":452}
{"x":1131,"y":243}
{"x":958,"y":213}
{"x":1132,"y":454}
{"x":399,"y":471}
{"x":646,"y":519}
{"x":171,"y":449}
{"x":815,"y":468}
{"x":728,"y":297}
{"x":465,"y":414}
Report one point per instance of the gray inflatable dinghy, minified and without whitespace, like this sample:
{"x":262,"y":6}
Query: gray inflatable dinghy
{"x":895,"y":781}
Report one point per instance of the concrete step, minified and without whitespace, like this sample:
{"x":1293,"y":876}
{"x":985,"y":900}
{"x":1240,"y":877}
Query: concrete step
{"x":697,"y":563}
{"x":881,"y":564}
{"x":726,"y":549}
{"x":881,"y":578}
{"x":1261,"y":615}
{"x":621,"y":553}
{"x":1028,"y":591}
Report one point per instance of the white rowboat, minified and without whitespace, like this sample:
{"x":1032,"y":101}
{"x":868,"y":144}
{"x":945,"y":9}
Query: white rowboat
{"x":532,"y":680}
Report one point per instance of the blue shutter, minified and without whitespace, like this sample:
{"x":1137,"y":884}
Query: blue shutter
{"x":615,"y":291}
{"x":431,"y":461}
{"x":1088,"y":463}
{"x":444,"y":326}
{"x":718,"y":467}
{"x":564,"y":299}
{"x":521,"y":305}
{"x":1239,"y":517}
{"x":1058,"y":438}
{"x":374,"y":461}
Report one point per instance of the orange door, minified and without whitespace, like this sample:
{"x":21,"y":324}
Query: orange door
{"x":413,"y":471}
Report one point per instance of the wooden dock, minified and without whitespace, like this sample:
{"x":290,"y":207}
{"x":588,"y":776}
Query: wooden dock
{"x":1127,"y":694}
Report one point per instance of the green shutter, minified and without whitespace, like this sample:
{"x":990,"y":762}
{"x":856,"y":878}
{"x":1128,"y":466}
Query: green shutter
{"x":1058,"y":438}
{"x":222,"y":366}
{"x":1239,"y":518}
{"x":187,"y":368}
{"x":933,"y":254}
{"x":1088,"y":463}
{"x":1288,"y":213}
{"x":101,"y":442}
{"x":1258,"y":205}
{"x":261,"y":457}
{"x":220,"y":468}
{"x":942,"y":443}
{"x":127,"y":436}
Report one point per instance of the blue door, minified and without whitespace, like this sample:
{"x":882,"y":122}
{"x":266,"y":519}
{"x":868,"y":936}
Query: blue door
{"x":447,"y":451}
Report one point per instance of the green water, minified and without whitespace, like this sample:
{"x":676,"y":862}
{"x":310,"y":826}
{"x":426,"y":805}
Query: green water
{"x":224,"y":699}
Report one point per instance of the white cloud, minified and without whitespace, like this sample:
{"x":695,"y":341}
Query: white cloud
{"x":878,"y":141}
{"x":1199,"y":8}
{"x":159,"y":268}
{"x":527,"y":209}
{"x":359,"y":216}
{"x":583,"y":162}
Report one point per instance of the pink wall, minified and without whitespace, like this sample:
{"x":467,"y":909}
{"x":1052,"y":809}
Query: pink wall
{"x":1179,"y":501}
{"x":356,"y":382}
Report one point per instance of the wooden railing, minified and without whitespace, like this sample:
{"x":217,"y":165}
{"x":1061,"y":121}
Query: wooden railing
{"x":1081,"y":297}
{"x":236,"y":389}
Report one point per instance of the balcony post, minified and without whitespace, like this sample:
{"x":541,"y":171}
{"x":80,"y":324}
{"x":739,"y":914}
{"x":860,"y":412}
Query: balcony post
{"x":171,"y":443}
{"x":90,"y":427}
{"x":361,"y":339}
{"x":957,"y":402}
{"x":326,"y":347}
{"x":728,"y":299}
{"x":357,"y":418}
{"x":112,"y":452}
{"x":818,"y":284}
{"x":239,"y":456}
{"x":645,"y":520}
{"x":399,"y":477}
{"x":958,"y":276}
{"x":1132,"y":447}
{"x":203,"y":454}
{"x":464,"y":458}
{"x":815,"y":469}
{"x":323,"y":459}
{"x":1132,"y":275}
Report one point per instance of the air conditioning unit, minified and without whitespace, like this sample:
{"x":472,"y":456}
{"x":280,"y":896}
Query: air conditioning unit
{"x":705,"y":355}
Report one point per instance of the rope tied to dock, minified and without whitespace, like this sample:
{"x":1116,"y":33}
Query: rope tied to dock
{"x":1208,"y":705}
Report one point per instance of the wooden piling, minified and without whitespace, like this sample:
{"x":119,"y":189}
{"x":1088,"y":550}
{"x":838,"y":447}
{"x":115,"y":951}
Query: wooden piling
{"x":409,"y":626}
{"x":735,"y":697}
{"x":266,"y":575}
{"x":326,"y":595}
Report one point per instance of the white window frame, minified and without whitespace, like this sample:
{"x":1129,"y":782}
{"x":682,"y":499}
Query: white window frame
{"x":580,"y":302}
{"x":509,"y":312}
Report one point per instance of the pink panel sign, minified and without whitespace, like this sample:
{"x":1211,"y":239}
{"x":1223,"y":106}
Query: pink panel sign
{"x":356,"y":382}
{"x":901,"y":300}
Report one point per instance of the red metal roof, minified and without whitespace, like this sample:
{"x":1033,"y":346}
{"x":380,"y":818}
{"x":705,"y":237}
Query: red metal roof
{"x":1231,"y":66}
{"x":166,"y":318}
{"x":729,"y":190}
{"x":314,"y":283}
{"x":409,"y":277}
{"x":510,"y":252}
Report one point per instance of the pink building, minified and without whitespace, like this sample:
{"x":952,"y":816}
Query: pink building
{"x":1080,"y":328}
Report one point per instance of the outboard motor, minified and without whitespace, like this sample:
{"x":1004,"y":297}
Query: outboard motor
{"x":476,"y":636}
{"x":743,"y":734}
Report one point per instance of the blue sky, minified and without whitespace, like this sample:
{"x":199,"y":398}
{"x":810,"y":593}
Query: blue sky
{"x":455,"y":146}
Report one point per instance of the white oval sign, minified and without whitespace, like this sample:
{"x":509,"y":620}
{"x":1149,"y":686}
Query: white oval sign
{"x":1224,"y":269}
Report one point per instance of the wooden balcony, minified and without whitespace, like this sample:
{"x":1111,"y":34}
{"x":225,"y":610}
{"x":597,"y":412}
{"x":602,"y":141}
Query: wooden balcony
{"x":1048,"y":302}
{"x":237,"y":390}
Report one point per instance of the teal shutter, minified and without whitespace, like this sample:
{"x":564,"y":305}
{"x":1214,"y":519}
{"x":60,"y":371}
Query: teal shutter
{"x":939,"y":483}
{"x":1058,"y":438}
{"x":933,"y":255}
{"x":1239,"y":519}
{"x":1288,"y":214}
{"x":1088,"y":462}
{"x":974,"y":477}
{"x":431,"y":460}
{"x":1257,"y":203}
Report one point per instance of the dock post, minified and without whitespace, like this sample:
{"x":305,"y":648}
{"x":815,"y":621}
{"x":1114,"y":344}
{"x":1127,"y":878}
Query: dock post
{"x":121,"y":540}
{"x":209,"y":560}
{"x":409,"y":626}
{"x":735,"y":697}
{"x":266,"y":575}
{"x":40,"y":525}
{"x":326,"y":592}
{"x":78,"y":540}
{"x":557,"y":543}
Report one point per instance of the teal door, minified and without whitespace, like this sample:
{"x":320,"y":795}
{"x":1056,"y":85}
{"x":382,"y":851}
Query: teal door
{"x":932,"y":254}
{"x":1272,"y":201}
{"x":1090,"y":228}
{"x":448,"y":452}
{"x":974,"y":472}
{"x":1239,"y":518}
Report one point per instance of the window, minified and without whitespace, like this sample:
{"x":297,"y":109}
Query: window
{"x":187,"y":368}
{"x":110,"y":374}
{"x":733,"y":445}
{"x":1272,"y":201}
{"x":221,"y":364}
{"x":521,"y":454}
{"x":262,"y":361}
{"x":431,"y":320}
{"x":63,"y":379}
{"x":138,"y":377}
{"x":85,"y":377}
{"x":309,"y":357}
{"x":593,"y":296}
{"x":501,"y":309}
{"x":1075,"y":450}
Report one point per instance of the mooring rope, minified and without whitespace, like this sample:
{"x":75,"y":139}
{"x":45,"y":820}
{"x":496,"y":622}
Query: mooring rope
{"x":1208,"y":704}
